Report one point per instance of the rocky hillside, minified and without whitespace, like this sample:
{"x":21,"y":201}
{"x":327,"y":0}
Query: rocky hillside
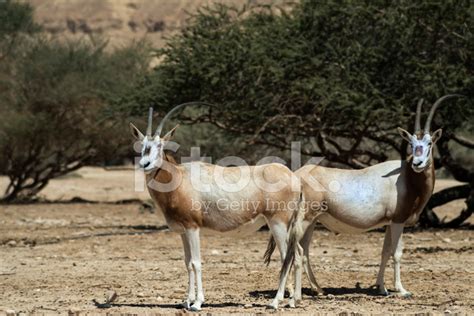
{"x":121,"y":21}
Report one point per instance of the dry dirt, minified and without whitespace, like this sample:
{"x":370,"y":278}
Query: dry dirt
{"x":57,"y":258}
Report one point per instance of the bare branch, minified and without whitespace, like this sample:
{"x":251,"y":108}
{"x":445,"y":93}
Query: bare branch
{"x":463,"y":141}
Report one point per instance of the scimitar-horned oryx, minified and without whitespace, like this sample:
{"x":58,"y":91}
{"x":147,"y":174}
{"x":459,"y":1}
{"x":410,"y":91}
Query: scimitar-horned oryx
{"x":201,"y":194}
{"x":390,"y":194}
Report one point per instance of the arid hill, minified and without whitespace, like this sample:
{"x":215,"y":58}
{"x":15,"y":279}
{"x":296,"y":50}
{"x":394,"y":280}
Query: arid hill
{"x":120,"y":21}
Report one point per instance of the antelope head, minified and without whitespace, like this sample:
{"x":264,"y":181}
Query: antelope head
{"x":422,"y":141}
{"x":152,"y":146}
{"x":152,"y":149}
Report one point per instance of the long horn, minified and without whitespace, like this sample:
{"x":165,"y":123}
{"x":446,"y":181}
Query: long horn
{"x":418,"y":116}
{"x":433,"y":110}
{"x":173,"y":110}
{"x":150,"y":120}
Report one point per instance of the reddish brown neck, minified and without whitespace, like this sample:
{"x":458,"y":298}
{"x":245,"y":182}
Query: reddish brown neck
{"x":423,"y":182}
{"x":164,"y":175}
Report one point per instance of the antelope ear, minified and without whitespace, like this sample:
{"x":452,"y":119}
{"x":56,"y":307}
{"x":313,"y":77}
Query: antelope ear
{"x":135,"y":132}
{"x":436,"y":135}
{"x":170,"y":134}
{"x":404,"y":134}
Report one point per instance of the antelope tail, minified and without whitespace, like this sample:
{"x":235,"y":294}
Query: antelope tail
{"x":270,"y":249}
{"x":271,"y":242}
{"x":295,"y":234}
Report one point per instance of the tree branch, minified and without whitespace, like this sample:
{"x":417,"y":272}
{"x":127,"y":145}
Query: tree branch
{"x":463,"y":141}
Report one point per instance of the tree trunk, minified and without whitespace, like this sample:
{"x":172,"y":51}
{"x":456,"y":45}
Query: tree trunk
{"x":428,"y":217}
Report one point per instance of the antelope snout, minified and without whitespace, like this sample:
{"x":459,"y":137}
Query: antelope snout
{"x":144,"y":163}
{"x":417,"y":164}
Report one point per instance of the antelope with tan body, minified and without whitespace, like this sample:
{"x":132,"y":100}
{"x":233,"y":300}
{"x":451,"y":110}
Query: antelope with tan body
{"x":390,"y":194}
{"x":198,"y":199}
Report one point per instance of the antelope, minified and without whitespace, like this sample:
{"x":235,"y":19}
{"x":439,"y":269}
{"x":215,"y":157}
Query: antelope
{"x":390,"y":194}
{"x":197,"y":200}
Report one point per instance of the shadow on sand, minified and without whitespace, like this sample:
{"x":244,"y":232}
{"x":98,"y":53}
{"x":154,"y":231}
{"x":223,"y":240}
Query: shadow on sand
{"x":336,"y":291}
{"x":265,"y":294}
{"x":174,"y":306}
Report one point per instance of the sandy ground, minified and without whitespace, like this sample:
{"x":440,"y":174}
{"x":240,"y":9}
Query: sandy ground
{"x":57,"y":258}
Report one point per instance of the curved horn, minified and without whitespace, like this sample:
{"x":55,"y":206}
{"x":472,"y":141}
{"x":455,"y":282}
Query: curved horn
{"x":418,"y":116}
{"x":173,"y":110}
{"x":433,"y":110}
{"x":150,"y":120}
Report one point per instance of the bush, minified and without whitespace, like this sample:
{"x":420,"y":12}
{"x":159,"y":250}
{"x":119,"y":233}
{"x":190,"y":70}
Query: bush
{"x":16,"y":19}
{"x":54,"y":115}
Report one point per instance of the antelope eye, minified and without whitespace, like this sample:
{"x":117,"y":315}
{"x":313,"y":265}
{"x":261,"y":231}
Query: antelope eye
{"x":430,"y":143}
{"x":147,"y":150}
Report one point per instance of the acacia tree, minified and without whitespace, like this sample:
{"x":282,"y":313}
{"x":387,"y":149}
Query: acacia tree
{"x":54,"y":99}
{"x":338,"y":77}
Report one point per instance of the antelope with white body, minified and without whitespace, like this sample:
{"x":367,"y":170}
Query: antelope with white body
{"x":198,"y":199}
{"x":391,"y":194}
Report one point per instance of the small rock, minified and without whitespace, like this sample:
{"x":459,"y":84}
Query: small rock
{"x":11,"y":243}
{"x":447,"y":240}
{"x":10,"y":312}
{"x":111,"y":296}
{"x":330,"y":296}
{"x":447,"y":311}
{"x":73,"y":311}
{"x":214,"y":252}
{"x":159,"y":298}
{"x":140,"y":295}
{"x":248,"y":305}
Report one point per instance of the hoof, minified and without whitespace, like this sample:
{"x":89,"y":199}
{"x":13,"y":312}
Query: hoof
{"x":382,"y":291}
{"x":406,"y":294}
{"x":187,"y":304}
{"x":273,"y":305}
{"x":195,"y":308}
